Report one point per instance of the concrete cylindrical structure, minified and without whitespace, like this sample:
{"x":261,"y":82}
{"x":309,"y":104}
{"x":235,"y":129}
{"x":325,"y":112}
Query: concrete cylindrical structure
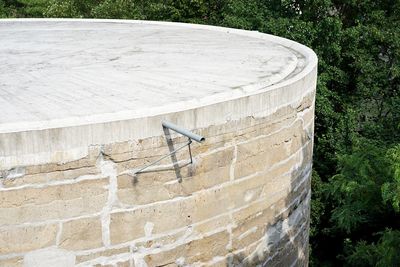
{"x":82,"y":106}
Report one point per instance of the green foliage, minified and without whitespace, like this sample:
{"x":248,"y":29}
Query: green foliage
{"x":356,"y":176}
{"x":244,"y":14}
{"x":317,"y":211}
{"x":62,"y":9}
{"x":383,"y":253}
{"x":111,"y":9}
{"x":356,"y":190}
{"x":33,"y":8}
{"x":3,"y":10}
{"x":391,"y":188}
{"x":22,"y":8}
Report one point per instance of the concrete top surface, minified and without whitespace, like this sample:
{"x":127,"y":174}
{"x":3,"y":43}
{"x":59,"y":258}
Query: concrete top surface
{"x":56,"y":73}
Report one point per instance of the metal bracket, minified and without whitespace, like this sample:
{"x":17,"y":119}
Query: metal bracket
{"x":191,"y":136}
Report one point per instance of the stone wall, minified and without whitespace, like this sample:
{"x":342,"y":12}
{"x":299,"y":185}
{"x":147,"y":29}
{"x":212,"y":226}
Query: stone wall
{"x":245,"y":200}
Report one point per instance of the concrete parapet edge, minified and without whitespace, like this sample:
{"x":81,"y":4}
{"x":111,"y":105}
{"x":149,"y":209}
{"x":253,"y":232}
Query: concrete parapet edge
{"x":68,"y":139}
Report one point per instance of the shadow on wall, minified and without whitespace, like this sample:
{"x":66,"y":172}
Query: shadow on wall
{"x":173,"y":155}
{"x":285,"y":241}
{"x":175,"y":163}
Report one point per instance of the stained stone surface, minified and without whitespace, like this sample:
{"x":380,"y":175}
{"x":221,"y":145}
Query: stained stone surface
{"x":82,"y":104}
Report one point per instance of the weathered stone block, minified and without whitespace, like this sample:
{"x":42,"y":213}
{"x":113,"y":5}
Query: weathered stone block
{"x":131,"y":225}
{"x":262,"y":153}
{"x":81,"y":234}
{"x":103,"y":253}
{"x":12,"y":262}
{"x":103,"y":265}
{"x":88,"y":161}
{"x":123,"y":264}
{"x":27,"y":238}
{"x":252,"y":222}
{"x":199,"y":250}
{"x":282,"y":118}
{"x":33,"y":204}
{"x":201,"y":228}
{"x":50,"y":176}
{"x":207,"y":171}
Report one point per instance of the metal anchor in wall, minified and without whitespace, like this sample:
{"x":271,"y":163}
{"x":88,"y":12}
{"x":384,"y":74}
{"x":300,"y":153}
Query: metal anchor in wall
{"x":190,"y":135}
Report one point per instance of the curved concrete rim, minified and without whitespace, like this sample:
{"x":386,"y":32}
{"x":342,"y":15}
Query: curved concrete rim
{"x":310,"y":63}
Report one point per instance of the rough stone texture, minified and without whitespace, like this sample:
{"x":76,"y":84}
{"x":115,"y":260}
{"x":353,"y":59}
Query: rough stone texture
{"x":69,"y":194}
{"x":103,"y":253}
{"x":209,"y":170}
{"x":81,"y":234}
{"x":32,"y":204}
{"x":12,"y":262}
{"x":27,"y":238}
{"x":202,"y":249}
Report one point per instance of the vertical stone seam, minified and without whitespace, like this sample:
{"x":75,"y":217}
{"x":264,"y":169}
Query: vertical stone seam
{"x":232,"y":177}
{"x":108,"y":168}
{"x":229,"y":230}
{"x":232,"y":168}
{"x":59,"y":234}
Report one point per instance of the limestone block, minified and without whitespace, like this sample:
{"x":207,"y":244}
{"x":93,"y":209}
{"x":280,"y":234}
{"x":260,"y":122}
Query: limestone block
{"x":33,"y":204}
{"x":12,"y":262}
{"x":256,"y":208}
{"x":290,"y":253}
{"x":200,"y":250}
{"x":135,"y":193}
{"x":141,"y":156}
{"x":50,"y":176}
{"x":103,"y":253}
{"x":267,"y":223}
{"x":201,"y":228}
{"x":162,"y":240}
{"x":276,"y":248}
{"x":262,"y":153}
{"x":217,"y":262}
{"x":123,"y":264}
{"x":198,"y":181}
{"x":213,"y":142}
{"x":144,"y":148}
{"x":166,"y":216}
{"x":120,"y":147}
{"x":251,"y":222}
{"x":284,"y":117}
{"x":253,"y":146}
{"x":207,"y":171}
{"x":137,"y":163}
{"x":253,"y":229}
{"x":27,"y":238}
{"x":308,"y":115}
{"x":306,"y":102}
{"x":140,"y":190}
{"x":88,"y":161}
{"x":81,"y":234}
{"x":208,"y":226}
